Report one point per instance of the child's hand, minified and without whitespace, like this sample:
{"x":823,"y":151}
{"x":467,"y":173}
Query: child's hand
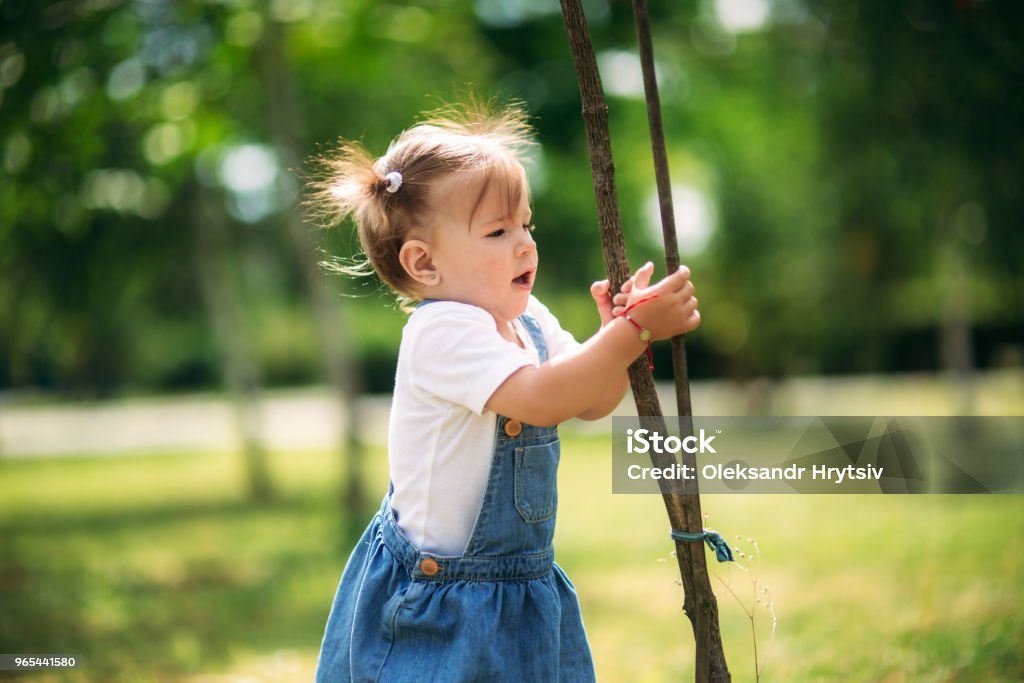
{"x":673,"y":311}
{"x":601,"y":291}
{"x":640,"y":280}
{"x":610,"y":307}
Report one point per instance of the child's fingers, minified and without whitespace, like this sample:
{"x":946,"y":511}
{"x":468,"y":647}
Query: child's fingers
{"x":601,"y":291}
{"x":619,"y":302}
{"x":681,"y":276}
{"x":692,"y":322}
{"x":642,"y":278}
{"x":690,"y":314}
{"x":676,"y":282}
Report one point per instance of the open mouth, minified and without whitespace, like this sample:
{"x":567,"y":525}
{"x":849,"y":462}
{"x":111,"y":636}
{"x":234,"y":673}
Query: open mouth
{"x":524,"y":280}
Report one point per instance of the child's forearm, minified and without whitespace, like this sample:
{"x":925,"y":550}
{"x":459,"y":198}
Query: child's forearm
{"x":580,"y":383}
{"x":607,"y":402}
{"x":583,"y":381}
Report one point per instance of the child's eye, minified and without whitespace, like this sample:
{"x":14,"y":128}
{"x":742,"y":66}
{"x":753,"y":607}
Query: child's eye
{"x":501,"y":231}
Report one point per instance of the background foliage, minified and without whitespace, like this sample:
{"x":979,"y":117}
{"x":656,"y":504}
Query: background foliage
{"x":848,"y":174}
{"x":849,"y":198}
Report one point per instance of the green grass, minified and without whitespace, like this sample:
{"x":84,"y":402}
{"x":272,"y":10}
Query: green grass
{"x":157,"y":569}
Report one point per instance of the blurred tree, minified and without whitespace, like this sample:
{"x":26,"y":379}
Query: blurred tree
{"x":826,"y":157}
{"x":921,"y":104}
{"x":241,"y":374}
{"x":286,"y":121}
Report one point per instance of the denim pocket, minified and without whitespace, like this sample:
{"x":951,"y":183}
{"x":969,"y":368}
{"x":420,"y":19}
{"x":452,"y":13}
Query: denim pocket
{"x":536,"y":477}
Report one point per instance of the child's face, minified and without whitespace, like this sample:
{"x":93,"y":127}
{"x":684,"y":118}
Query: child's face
{"x":493,"y":263}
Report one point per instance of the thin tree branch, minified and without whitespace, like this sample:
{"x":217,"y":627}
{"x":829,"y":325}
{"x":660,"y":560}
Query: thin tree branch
{"x":711,"y":663}
{"x":683,"y":509}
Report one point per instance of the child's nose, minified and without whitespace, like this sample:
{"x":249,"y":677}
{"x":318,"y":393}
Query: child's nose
{"x":526,"y":243}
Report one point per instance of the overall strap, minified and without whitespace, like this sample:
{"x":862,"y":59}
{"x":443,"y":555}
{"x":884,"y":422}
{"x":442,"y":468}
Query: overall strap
{"x":533,"y":327}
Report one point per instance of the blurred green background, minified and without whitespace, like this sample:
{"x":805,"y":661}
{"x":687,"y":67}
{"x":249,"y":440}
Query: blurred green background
{"x":848,"y":189}
{"x":848,"y":177}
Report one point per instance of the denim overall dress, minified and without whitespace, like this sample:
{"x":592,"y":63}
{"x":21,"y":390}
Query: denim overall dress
{"x":502,"y":611}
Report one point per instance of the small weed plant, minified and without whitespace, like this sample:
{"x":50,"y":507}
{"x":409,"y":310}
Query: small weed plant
{"x":753,"y":597}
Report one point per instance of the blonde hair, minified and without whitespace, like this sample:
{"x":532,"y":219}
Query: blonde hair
{"x":456,"y":139}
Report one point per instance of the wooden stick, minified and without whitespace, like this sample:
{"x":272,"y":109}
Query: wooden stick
{"x":711,"y":663}
{"x":683,"y":509}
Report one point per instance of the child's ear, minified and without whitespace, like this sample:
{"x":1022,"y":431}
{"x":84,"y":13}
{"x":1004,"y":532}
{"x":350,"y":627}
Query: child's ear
{"x":416,"y":260}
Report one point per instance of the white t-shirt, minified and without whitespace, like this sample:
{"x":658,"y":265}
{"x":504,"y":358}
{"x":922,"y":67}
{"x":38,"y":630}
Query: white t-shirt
{"x":440,"y":437}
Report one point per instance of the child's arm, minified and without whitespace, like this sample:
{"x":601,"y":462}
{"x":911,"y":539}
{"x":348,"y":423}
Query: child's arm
{"x":607,"y":308}
{"x":584,"y":381}
{"x":607,"y":401}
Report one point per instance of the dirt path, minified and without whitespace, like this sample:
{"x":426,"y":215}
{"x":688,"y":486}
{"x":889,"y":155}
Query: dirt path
{"x":309,"y":417}
{"x":306,"y":418}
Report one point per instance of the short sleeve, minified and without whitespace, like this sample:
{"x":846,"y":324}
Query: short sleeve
{"x":558,"y":340}
{"x":457,"y":354}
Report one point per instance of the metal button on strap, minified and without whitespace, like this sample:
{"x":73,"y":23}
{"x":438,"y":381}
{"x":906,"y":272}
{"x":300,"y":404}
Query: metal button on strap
{"x":429,"y":567}
{"x":513,"y":428}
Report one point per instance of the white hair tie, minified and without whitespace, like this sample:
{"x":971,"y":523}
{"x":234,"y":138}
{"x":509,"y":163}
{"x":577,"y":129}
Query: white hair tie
{"x":394,"y":181}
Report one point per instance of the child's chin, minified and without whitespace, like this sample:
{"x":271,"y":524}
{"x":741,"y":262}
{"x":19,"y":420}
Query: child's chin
{"x":522,"y":308}
{"x":511,"y":312}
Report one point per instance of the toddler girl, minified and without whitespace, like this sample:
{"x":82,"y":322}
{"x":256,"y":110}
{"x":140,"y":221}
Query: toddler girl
{"x":454,"y":578}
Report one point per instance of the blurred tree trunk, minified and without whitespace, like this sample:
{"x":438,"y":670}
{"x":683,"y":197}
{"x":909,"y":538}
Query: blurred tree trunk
{"x":955,"y":331}
{"x":241,"y":376}
{"x":286,"y":120}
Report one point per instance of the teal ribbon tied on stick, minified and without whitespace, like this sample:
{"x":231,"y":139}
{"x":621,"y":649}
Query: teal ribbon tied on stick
{"x":714,"y":540}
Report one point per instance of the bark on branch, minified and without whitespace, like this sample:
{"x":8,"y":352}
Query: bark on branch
{"x":683,"y":509}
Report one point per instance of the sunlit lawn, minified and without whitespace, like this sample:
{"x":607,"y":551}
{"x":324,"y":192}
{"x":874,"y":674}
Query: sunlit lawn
{"x":155,"y":568}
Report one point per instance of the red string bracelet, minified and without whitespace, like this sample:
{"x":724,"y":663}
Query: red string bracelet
{"x":645,"y":334}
